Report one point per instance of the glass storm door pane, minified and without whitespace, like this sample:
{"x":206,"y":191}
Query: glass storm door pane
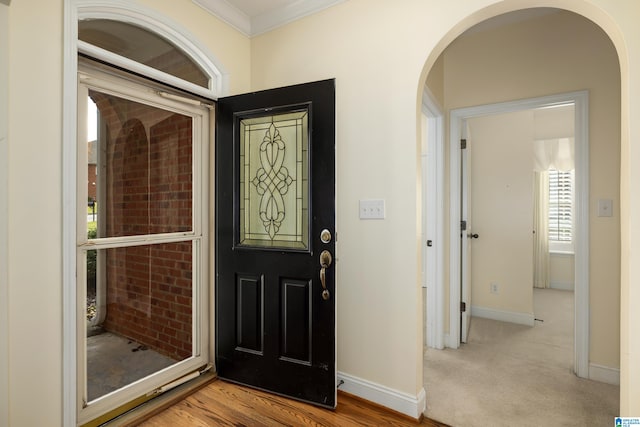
{"x":274,"y":181}
{"x":147,"y":319}
{"x":140,"y":264}
{"x":140,"y":170}
{"x":142,"y":46}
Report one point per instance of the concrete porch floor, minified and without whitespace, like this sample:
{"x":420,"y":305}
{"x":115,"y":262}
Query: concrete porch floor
{"x":114,"y":362}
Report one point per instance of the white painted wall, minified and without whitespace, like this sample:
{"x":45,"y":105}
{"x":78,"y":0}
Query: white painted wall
{"x":502,"y":211}
{"x":380,"y":54}
{"x":562,"y":271}
{"x":551,"y":123}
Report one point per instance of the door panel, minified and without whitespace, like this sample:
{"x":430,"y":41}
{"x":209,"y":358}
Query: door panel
{"x":250,"y":313}
{"x":275,"y":194}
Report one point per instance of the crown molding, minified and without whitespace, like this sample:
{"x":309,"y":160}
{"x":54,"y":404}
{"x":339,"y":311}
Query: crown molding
{"x":270,"y":20}
{"x":228,"y":13}
{"x":278,"y":17}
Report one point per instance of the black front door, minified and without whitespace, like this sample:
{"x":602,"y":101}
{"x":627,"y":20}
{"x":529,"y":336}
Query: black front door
{"x":275,"y":240}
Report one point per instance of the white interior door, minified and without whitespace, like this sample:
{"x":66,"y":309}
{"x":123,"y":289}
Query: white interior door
{"x":466,"y":235}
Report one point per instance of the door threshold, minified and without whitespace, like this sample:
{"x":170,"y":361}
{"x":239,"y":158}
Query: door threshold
{"x":158,"y":404}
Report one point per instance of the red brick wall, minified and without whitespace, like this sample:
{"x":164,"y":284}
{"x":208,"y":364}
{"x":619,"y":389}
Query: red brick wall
{"x":149,"y":190}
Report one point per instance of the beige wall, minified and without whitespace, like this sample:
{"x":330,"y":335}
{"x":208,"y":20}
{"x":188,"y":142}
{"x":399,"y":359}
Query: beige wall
{"x":561,"y":271}
{"x":4,"y":306}
{"x":379,"y":317}
{"x":380,"y":67}
{"x":501,"y":148}
{"x":35,"y":236}
{"x":555,"y":54}
{"x":435,"y":80}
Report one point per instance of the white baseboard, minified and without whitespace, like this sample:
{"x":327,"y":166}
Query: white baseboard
{"x":604,"y":374}
{"x":562,"y":286}
{"x":412,"y":406}
{"x":502,"y":315}
{"x":449,"y":342}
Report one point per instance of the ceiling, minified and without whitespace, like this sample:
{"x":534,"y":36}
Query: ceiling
{"x":253,"y":17}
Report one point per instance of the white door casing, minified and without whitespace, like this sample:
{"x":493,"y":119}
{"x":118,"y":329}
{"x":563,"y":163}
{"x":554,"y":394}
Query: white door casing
{"x":432,"y":219}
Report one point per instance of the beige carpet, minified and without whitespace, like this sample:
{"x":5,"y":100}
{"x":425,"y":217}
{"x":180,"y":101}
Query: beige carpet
{"x":514,"y":375}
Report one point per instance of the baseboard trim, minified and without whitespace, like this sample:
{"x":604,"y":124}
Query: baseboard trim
{"x":562,"y":286}
{"x":502,"y":315}
{"x":604,"y":374}
{"x":404,"y":403}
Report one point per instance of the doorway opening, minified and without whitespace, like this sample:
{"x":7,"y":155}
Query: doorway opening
{"x":458,"y":122}
{"x":137,"y":282}
{"x":478,"y":71}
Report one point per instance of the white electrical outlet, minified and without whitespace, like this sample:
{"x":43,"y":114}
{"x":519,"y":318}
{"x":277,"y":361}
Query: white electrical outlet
{"x":494,"y":288}
{"x":372,"y":209}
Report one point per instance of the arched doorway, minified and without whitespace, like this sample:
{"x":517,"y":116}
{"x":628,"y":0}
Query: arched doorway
{"x":588,"y":311}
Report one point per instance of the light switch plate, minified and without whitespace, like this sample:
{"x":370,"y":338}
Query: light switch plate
{"x":372,"y":209}
{"x":605,"y":207}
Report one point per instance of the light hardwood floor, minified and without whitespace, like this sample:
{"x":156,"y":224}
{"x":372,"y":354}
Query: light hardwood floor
{"x":224,"y":404}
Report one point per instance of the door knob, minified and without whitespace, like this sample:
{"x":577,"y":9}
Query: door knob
{"x":474,"y":235}
{"x":325,"y":262}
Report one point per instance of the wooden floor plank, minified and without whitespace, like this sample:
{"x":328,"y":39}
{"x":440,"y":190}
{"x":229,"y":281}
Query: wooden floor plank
{"x":224,"y":404}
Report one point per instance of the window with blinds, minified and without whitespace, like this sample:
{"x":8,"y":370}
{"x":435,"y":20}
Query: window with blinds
{"x":560,"y":206}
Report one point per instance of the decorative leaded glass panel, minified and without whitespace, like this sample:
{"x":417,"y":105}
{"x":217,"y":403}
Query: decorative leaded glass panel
{"x":274,"y":181}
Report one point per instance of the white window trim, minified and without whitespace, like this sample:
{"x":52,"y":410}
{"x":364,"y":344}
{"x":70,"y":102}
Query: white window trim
{"x":180,"y":37}
{"x":567,"y":247}
{"x":154,"y":22}
{"x":145,"y":70}
{"x":561,"y":247}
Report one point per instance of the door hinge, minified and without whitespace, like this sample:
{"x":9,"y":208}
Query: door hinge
{"x":463,"y":144}
{"x":463,"y":306}
{"x":463,"y":225}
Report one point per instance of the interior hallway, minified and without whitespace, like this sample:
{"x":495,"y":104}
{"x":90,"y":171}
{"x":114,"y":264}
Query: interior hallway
{"x":509,"y":374}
